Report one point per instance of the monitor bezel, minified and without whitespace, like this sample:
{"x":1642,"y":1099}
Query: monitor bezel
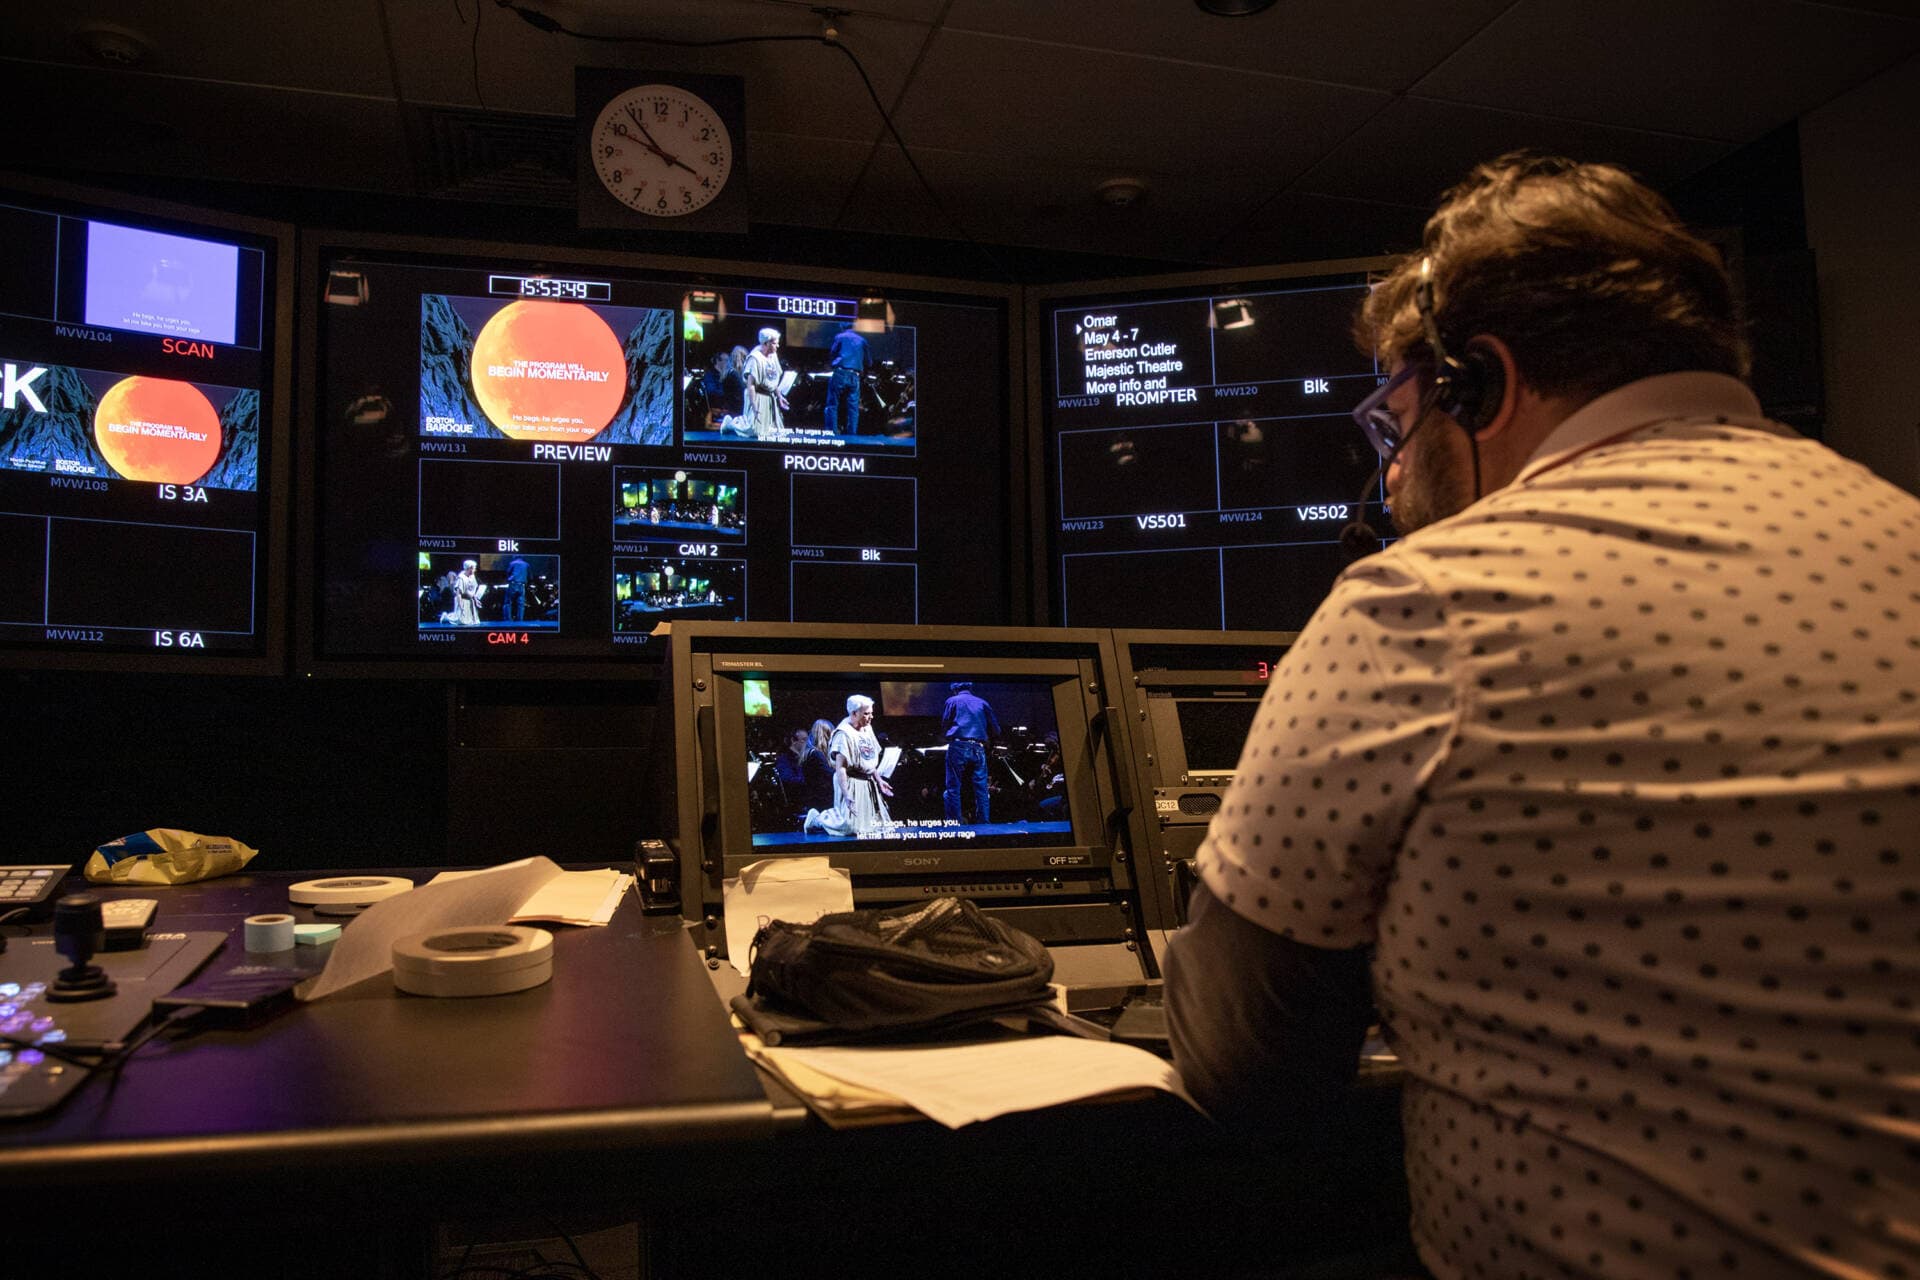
{"x":689,"y":769}
{"x":270,"y":655}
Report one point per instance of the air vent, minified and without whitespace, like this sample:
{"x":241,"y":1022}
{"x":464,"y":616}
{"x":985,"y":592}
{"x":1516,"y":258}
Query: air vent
{"x":1200,"y":804}
{"x":496,"y":158}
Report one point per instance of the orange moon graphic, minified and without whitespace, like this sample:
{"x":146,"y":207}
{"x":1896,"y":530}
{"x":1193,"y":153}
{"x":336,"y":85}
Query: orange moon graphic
{"x":549,"y":371}
{"x":157,"y":429}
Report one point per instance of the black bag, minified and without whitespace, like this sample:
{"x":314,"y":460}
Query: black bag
{"x":899,"y":971}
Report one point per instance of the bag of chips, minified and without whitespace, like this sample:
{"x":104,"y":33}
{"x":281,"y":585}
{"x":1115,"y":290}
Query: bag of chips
{"x":162,"y":855}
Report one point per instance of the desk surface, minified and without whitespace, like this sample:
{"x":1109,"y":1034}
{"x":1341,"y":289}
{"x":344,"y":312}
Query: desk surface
{"x":624,"y":1051}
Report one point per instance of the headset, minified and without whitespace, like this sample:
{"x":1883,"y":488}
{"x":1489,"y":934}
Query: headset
{"x":1467,"y":388}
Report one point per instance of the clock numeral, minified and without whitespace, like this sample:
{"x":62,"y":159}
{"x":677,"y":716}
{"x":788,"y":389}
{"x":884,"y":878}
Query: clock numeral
{"x":663,"y":201}
{"x":615,"y":175}
{"x":608,"y":150}
{"x":707,"y":183}
{"x":706,"y":135}
{"x":686,"y":196}
{"x":713,"y":157}
{"x":660,"y":111}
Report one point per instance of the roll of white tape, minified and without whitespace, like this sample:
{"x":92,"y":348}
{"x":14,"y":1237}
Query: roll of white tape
{"x":486,"y":960}
{"x":347,"y":891}
{"x":269,"y":933}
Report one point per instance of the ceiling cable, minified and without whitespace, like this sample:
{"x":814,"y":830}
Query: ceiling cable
{"x":547,"y":23}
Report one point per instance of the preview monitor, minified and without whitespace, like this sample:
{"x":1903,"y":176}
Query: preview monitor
{"x":870,"y":747}
{"x":1200,"y":458}
{"x":531,"y":462}
{"x":143,"y":356}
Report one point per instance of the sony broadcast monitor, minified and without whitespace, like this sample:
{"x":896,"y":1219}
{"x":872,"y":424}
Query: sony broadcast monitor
{"x":1200,"y":459}
{"x":531,"y":464}
{"x":924,"y":761}
{"x":142,"y":433}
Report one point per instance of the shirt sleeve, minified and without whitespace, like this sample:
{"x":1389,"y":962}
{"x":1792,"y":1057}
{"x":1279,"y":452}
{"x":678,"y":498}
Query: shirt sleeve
{"x":1265,"y":1031}
{"x":1355,"y":719}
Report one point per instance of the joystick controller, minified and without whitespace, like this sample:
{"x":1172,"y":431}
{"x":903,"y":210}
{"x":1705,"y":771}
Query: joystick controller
{"x":79,"y":930}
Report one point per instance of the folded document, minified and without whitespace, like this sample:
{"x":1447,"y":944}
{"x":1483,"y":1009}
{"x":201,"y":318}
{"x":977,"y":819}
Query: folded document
{"x":958,"y":1084}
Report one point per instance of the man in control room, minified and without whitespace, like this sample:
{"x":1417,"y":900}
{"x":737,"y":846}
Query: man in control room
{"x":1601,"y":784}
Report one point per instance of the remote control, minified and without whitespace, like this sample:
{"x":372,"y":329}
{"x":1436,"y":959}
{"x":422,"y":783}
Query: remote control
{"x":126,"y":921}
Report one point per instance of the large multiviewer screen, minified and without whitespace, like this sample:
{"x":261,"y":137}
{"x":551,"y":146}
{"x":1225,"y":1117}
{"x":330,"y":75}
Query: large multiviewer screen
{"x":525,"y":461}
{"x":1200,"y":457}
{"x":138,"y":442}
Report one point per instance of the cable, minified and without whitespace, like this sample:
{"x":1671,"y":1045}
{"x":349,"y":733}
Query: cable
{"x":547,"y":23}
{"x":473,"y":54}
{"x":561,"y":1231}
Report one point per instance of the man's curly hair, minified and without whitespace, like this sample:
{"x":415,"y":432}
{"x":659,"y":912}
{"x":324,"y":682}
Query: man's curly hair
{"x":1586,"y":274}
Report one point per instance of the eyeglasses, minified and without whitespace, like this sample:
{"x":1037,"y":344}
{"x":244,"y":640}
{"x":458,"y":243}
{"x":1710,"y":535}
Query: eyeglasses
{"x":1382,"y":428}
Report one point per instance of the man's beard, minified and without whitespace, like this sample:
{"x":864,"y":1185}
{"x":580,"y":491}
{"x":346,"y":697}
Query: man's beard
{"x":1435,"y":483}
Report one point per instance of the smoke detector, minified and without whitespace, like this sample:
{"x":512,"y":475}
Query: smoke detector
{"x":1120,"y":192}
{"x":113,"y":46}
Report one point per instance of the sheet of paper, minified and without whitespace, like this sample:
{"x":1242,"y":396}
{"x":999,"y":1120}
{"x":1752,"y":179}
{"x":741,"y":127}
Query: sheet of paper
{"x":889,"y":757}
{"x":797,"y":890}
{"x":787,"y":380}
{"x":570,"y":897}
{"x":959,"y":1084}
{"x":365,"y":947}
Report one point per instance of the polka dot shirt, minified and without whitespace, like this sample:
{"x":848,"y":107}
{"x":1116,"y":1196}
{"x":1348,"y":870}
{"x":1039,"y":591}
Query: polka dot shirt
{"x":1619,"y":772}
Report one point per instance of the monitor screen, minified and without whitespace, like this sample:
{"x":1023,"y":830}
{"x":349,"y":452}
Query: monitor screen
{"x":1212,"y":731}
{"x":1201,"y":457}
{"x":525,"y":463}
{"x":140,"y":431}
{"x":827,"y":771}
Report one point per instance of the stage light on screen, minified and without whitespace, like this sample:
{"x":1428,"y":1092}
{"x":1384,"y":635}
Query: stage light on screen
{"x":346,"y":288}
{"x":756,"y":698}
{"x":1231,"y":313}
{"x":873,"y":315}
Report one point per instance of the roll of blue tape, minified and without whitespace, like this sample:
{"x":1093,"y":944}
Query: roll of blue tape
{"x":269,"y":933}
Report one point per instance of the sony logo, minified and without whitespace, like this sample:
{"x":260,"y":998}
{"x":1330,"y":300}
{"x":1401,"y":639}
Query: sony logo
{"x":919,"y":862}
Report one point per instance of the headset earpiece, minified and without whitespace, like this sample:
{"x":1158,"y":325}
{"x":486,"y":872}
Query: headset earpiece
{"x":1469,"y":390}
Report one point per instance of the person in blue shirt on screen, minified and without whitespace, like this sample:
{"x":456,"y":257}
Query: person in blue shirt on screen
{"x":849,"y":355}
{"x":515,"y":609}
{"x":968,"y":722}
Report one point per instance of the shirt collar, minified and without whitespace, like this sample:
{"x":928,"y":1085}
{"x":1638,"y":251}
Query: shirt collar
{"x":1665,"y":397}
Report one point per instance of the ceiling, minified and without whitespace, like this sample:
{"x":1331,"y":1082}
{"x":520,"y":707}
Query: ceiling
{"x":1321,"y":128}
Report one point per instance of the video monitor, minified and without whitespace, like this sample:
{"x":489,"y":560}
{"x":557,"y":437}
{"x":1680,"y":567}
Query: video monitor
{"x":668,"y":443}
{"x":893,"y":751}
{"x":1191,"y":699}
{"x":143,"y":358}
{"x":1200,"y":454}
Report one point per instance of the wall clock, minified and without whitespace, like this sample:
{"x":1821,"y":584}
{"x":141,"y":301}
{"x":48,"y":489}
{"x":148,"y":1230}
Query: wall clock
{"x":661,"y":150}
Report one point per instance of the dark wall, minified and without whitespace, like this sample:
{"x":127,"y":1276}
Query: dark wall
{"x":329,"y":774}
{"x":311,"y":774}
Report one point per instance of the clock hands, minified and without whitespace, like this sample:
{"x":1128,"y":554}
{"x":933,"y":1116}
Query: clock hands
{"x":646,"y":140}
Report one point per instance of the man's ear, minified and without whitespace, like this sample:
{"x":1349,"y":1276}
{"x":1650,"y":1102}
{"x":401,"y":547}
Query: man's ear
{"x":1490,"y":363}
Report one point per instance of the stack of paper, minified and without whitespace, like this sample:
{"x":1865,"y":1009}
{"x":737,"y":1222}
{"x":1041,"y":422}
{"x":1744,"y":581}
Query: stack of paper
{"x":958,"y":1084}
{"x":566,"y":897}
{"x":575,"y":897}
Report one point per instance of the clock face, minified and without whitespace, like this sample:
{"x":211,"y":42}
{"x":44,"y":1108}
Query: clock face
{"x":661,"y":151}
